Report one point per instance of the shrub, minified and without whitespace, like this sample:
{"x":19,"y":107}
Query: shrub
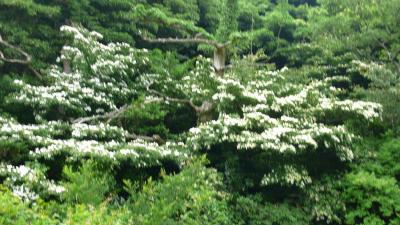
{"x":15,"y":212}
{"x":87,"y":185}
{"x":371,"y":200}
{"x":191,"y":197}
{"x":251,"y":211}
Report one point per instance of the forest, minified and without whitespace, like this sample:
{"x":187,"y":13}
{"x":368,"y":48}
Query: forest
{"x":200,"y":112}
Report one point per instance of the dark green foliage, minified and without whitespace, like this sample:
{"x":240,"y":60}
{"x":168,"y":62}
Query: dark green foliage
{"x":145,"y":119}
{"x":14,"y":152}
{"x":252,"y":210}
{"x":387,"y":159}
{"x":383,"y":161}
{"x":35,"y":30}
{"x":371,"y":191}
{"x":208,"y":12}
{"x":111,"y":18}
{"x":228,"y":22}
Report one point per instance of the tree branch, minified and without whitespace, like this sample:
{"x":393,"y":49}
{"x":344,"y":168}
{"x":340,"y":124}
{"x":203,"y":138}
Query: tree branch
{"x":155,"y":138}
{"x":194,"y":40}
{"x":219,"y":48}
{"x":27,"y":61}
{"x":167,"y":98}
{"x":114,"y":114}
{"x":109,"y":116}
{"x":393,"y":57}
{"x":203,"y":112}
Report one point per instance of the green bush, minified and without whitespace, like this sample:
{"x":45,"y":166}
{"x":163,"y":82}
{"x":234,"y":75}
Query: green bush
{"x":388,"y":159}
{"x":82,"y":215}
{"x":252,"y":211}
{"x":371,"y":200}
{"x":88,"y":185}
{"x":380,"y":156}
{"x":15,"y":212}
{"x":190,"y":197}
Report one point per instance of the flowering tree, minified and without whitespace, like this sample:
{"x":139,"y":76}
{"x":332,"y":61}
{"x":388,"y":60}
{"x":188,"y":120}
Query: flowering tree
{"x":261,"y":112}
{"x":74,"y":111}
{"x":282,"y":124}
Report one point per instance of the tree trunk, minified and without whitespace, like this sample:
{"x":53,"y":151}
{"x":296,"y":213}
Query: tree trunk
{"x":204,"y":112}
{"x":219,"y":59}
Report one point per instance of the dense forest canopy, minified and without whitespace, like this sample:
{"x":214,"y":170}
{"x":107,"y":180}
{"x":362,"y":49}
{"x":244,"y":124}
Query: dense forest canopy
{"x":200,"y":112}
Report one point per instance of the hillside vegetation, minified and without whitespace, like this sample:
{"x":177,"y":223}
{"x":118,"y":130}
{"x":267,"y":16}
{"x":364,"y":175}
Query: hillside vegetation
{"x":208,"y":112}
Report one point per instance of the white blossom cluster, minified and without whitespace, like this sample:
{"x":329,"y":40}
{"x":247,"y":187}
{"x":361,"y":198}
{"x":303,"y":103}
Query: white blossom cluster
{"x":282,"y":118}
{"x":139,"y":152}
{"x":100,"y":141}
{"x":380,"y":75}
{"x":284,"y":135}
{"x":287,"y":175}
{"x":368,"y":110}
{"x":101,"y":78}
{"x":100,"y":131}
{"x":10,"y":130}
{"x":85,"y":142}
{"x":199,"y":83}
{"x":25,"y":182}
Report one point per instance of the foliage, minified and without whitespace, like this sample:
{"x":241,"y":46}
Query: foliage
{"x":383,"y":88}
{"x":379,"y":157}
{"x":145,"y":118}
{"x":190,"y":197}
{"x":290,"y":112}
{"x":251,"y":211}
{"x":30,"y":30}
{"x":88,"y":185}
{"x":371,"y":200}
{"x":13,"y":211}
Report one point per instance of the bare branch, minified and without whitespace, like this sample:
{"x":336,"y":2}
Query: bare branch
{"x":34,"y":71}
{"x":155,"y":138}
{"x":109,"y":116}
{"x":219,"y":48}
{"x":66,"y":63}
{"x":203,"y":112}
{"x":26,"y":61}
{"x":383,"y":45}
{"x":167,"y":98}
{"x":114,"y":114}
{"x":392,"y":57}
{"x":194,"y":40}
